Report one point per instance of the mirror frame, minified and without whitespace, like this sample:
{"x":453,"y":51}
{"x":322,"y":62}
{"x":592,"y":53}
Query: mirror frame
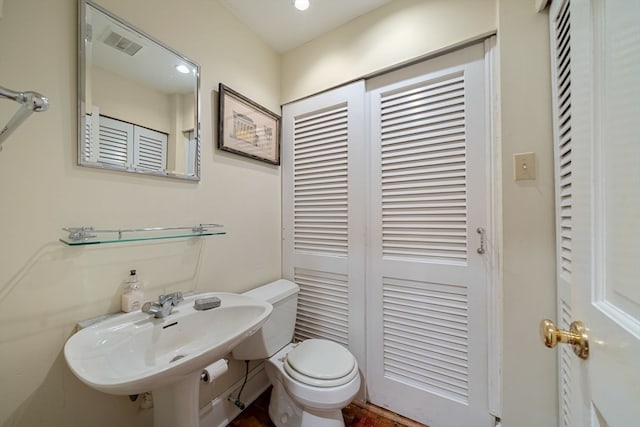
{"x":82,"y":92}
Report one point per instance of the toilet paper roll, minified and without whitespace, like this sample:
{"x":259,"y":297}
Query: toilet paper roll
{"x":213,"y":371}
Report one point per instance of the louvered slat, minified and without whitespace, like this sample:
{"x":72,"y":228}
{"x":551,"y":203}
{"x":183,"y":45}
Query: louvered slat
{"x":151,"y":152}
{"x":323,"y":306}
{"x":423,"y":171}
{"x":566,"y":357}
{"x":425,"y":336}
{"x":563,"y":140}
{"x":87,"y":151}
{"x":320,"y":151}
{"x":113,"y":146}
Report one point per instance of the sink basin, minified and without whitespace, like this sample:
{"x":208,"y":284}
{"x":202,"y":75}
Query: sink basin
{"x":134,"y":352}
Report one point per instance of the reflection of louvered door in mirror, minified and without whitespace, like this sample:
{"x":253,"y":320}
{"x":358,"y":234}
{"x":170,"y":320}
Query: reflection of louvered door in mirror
{"x":125,"y":145}
{"x":115,"y":142}
{"x":149,"y":149}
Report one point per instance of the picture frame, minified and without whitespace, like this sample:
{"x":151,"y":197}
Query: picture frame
{"x":247,"y":128}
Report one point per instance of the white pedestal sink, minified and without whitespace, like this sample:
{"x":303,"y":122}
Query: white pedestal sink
{"x":134,"y":353}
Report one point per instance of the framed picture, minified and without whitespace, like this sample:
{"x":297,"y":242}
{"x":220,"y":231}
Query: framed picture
{"x":247,"y":128}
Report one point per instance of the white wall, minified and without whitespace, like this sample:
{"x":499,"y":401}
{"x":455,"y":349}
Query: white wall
{"x":529,"y":369}
{"x":395,"y":33}
{"x":125,"y":99}
{"x":408,"y":29}
{"x":45,"y":286}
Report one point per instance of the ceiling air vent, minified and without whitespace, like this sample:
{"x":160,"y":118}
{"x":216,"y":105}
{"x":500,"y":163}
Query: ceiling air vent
{"x":121,"y":43}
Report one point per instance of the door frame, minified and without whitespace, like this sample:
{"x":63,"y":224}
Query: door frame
{"x":494,"y":234}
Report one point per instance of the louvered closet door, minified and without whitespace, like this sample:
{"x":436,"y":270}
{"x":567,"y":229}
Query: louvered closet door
{"x":568,"y":364}
{"x":596,"y":88}
{"x":323,"y":214}
{"x":427,"y":284}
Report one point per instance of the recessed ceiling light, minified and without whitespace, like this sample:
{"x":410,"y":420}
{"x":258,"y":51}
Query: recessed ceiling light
{"x":182,"y":68}
{"x":301,"y":4}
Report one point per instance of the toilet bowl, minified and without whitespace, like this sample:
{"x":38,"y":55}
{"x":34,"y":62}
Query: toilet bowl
{"x":313,"y":379}
{"x":316,"y":396}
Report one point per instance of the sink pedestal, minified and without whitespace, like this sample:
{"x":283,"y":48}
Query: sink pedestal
{"x":178,"y":404}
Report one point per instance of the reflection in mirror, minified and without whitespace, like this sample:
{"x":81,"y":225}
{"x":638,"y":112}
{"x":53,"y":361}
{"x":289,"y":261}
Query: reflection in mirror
{"x":138,"y":100}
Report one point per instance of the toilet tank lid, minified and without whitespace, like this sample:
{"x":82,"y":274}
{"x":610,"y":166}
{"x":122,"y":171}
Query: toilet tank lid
{"x":274,"y":291}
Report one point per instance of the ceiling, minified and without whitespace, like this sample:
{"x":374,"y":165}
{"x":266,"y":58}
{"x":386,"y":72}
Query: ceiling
{"x":283,"y":27}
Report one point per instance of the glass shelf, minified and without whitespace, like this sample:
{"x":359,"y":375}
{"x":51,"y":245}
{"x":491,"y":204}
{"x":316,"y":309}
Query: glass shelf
{"x":77,"y":236}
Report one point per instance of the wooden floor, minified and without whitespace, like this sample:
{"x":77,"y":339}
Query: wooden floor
{"x":357,"y":414}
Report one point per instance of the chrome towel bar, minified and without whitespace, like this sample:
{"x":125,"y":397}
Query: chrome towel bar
{"x":29,"y":102}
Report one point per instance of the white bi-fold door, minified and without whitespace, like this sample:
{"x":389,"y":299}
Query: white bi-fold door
{"x":385,"y":230}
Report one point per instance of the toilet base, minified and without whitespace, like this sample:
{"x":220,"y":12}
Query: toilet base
{"x":284,"y":412}
{"x":327,"y":418}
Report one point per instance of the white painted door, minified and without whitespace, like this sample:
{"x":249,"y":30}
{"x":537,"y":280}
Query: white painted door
{"x":596,"y":67}
{"x":427,"y":323}
{"x":323,"y":214}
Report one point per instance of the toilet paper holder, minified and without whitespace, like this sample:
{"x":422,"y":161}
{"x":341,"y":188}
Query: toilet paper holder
{"x":214,"y":370}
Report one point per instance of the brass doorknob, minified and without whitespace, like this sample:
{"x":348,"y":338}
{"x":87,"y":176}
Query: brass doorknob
{"x":576,"y":336}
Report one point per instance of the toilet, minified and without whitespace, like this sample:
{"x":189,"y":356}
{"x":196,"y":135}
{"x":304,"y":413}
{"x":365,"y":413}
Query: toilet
{"x":312,"y":380}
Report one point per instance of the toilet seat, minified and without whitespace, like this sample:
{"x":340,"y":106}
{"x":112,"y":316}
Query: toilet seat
{"x":321,"y":363}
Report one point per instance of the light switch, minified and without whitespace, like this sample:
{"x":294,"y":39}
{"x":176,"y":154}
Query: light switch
{"x":524,"y":166}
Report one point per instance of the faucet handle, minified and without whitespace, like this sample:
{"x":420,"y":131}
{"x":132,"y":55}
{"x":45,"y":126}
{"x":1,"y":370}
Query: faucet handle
{"x":175,"y":298}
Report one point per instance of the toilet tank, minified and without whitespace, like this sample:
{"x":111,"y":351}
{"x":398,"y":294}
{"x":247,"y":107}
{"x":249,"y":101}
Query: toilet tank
{"x":277,"y":331}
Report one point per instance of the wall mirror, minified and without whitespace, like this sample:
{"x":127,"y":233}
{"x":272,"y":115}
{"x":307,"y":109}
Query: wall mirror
{"x":138,"y":100}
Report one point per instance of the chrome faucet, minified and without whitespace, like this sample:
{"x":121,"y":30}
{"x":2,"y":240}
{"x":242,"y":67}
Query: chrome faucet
{"x":163,"y":307}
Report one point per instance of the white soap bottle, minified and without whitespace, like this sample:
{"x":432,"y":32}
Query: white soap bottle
{"x":132,"y":296}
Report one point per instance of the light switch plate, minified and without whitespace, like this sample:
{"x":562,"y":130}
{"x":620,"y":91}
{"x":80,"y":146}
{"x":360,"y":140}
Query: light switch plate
{"x":524,"y":166}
